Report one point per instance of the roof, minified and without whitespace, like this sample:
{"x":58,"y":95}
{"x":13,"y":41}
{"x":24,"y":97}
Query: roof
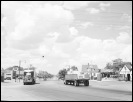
{"x":86,"y":67}
{"x":93,"y":66}
{"x":28,"y":70}
{"x":129,"y":66}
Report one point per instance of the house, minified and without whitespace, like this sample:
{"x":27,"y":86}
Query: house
{"x":8,"y":73}
{"x":126,"y":72}
{"x":91,"y":69}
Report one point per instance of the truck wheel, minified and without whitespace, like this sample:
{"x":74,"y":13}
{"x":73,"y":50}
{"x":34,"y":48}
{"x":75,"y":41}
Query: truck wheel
{"x":65,"y":82}
{"x":87,"y":83}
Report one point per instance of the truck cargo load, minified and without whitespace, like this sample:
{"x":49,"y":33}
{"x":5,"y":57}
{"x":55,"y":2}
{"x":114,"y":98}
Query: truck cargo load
{"x":77,"y":78}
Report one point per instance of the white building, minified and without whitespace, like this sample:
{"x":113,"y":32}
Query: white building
{"x":126,"y":71}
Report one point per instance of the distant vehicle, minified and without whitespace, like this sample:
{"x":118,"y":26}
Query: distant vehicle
{"x":76,"y":79}
{"x":8,"y":76}
{"x":29,"y":77}
{"x":20,"y":77}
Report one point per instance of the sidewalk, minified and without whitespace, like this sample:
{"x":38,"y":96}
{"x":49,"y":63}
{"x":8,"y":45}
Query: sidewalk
{"x":112,"y":85}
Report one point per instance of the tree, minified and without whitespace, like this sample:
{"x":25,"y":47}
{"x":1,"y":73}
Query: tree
{"x":62,"y":73}
{"x":117,"y":64}
{"x":108,"y":66}
{"x":74,"y":68}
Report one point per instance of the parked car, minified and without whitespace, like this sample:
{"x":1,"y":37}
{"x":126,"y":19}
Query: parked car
{"x":8,"y":78}
{"x":20,"y":77}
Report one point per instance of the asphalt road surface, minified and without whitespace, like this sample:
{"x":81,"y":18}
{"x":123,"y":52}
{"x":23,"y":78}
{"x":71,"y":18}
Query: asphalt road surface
{"x":54,"y":90}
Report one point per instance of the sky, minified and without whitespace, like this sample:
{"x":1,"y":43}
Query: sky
{"x":65,"y":33}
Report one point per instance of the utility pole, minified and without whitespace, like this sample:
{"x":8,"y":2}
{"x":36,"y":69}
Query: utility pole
{"x":91,"y":70}
{"x":19,"y":67}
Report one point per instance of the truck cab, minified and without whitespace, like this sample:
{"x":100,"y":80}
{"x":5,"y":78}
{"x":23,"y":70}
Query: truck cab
{"x":29,"y":77}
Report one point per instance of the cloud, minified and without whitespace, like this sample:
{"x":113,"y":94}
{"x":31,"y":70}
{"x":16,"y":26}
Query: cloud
{"x":126,"y":54}
{"x":36,"y":29}
{"x":124,"y":38}
{"x":86,"y":24}
{"x":126,"y":17}
{"x":73,"y":31}
{"x":31,"y":24}
{"x":73,"y":5}
{"x":92,"y":10}
{"x":107,"y":50}
{"x":108,"y":27}
{"x":124,"y":27}
{"x":103,"y":5}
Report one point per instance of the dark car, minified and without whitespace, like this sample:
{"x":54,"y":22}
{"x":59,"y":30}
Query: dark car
{"x":8,"y":78}
{"x":20,"y":77}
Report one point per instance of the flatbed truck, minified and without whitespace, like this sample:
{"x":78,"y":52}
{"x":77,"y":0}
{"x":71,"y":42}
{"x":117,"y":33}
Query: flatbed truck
{"x":76,"y":79}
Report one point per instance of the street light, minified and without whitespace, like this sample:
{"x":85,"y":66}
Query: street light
{"x":19,"y":67}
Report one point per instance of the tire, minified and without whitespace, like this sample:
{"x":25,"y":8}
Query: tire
{"x":65,"y":82}
{"x":86,"y":83}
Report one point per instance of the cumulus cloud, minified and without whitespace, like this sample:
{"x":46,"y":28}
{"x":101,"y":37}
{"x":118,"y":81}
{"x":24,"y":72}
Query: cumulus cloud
{"x":124,"y":27}
{"x":32,"y":25}
{"x":36,"y":29}
{"x":107,"y":50}
{"x":124,"y":38}
{"x":86,"y":24}
{"x":73,"y":5}
{"x":73,"y":31}
{"x":126,"y":17}
{"x":103,"y":5}
{"x":92,"y":10}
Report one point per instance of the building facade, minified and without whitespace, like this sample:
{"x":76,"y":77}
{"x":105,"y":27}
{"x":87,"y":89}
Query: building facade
{"x":92,"y":70}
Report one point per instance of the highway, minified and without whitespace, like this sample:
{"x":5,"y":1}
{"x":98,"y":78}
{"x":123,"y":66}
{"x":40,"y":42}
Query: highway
{"x":54,"y":90}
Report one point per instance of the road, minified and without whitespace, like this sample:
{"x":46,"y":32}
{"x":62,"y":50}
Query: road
{"x":54,"y":90}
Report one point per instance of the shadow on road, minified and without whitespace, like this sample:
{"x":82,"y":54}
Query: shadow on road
{"x":5,"y":82}
{"x":3,"y":100}
{"x":37,"y":83}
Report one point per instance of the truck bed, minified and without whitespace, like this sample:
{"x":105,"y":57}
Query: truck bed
{"x":77,"y":77}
